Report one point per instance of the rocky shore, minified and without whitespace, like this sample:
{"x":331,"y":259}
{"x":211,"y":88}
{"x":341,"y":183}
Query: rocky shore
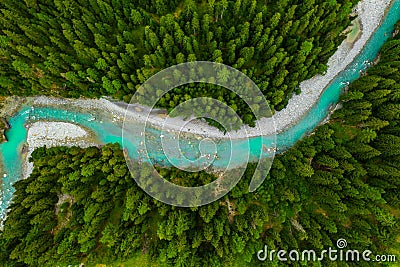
{"x":4,"y":126}
{"x":8,"y":107}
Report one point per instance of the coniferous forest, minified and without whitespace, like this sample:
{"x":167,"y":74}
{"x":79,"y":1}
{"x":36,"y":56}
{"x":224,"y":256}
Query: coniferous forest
{"x":93,"y":48}
{"x":82,"y":205}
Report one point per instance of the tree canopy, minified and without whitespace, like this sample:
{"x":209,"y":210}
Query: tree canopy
{"x":110,"y":47}
{"x":82,"y":205}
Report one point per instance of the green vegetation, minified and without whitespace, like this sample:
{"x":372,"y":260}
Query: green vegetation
{"x":3,"y":126}
{"x":110,"y":47}
{"x":82,"y":205}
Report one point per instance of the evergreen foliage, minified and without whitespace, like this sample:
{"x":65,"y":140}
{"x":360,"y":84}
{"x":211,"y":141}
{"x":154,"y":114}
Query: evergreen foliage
{"x":110,"y":47}
{"x":82,"y":205}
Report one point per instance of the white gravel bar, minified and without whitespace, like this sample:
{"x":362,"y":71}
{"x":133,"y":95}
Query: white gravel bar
{"x":370,"y":13}
{"x":42,"y":133}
